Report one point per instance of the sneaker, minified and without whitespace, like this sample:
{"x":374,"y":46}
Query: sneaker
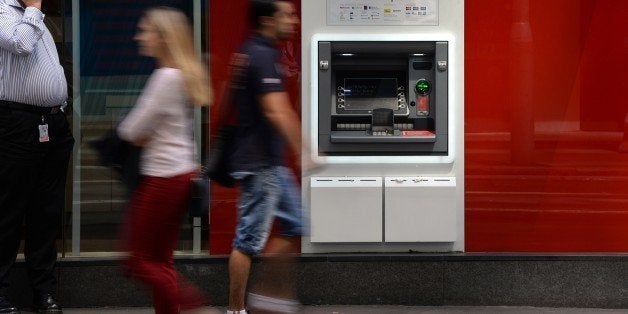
{"x":263,"y":304}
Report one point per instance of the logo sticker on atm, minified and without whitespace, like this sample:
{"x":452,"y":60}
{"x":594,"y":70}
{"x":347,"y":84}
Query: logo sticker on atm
{"x":417,"y":133}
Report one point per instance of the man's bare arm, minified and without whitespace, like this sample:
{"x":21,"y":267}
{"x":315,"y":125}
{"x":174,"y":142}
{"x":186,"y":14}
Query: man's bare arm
{"x":277,"y":109}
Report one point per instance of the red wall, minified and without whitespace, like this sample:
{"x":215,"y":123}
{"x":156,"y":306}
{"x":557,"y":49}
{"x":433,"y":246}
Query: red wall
{"x":544,"y":119}
{"x":542,"y":129}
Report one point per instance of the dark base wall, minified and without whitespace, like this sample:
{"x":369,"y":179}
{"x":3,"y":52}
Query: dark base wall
{"x":591,"y":281}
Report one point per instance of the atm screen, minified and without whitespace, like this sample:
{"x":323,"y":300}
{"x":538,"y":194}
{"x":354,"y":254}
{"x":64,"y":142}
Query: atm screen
{"x":370,"y":93}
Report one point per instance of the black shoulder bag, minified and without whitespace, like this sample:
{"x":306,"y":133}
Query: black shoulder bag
{"x":218,"y":166}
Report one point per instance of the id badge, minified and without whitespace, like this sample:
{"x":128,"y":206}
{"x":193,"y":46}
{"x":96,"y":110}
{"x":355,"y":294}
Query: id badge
{"x":43,"y":133}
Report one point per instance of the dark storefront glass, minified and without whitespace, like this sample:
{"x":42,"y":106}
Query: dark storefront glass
{"x":105,"y":77}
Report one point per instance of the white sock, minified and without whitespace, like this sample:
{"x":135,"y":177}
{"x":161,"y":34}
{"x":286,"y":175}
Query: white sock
{"x":236,"y":312}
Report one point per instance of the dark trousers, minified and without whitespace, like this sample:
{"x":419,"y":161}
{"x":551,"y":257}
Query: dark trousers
{"x":32,"y":192}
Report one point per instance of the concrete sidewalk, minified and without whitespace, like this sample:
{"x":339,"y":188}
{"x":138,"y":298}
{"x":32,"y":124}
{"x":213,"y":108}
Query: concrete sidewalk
{"x":387,"y":309}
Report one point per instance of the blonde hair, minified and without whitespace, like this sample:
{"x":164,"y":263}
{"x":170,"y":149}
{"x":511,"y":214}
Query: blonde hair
{"x":175,"y":29}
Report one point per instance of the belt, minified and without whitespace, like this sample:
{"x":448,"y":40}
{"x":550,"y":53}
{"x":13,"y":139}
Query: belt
{"x":29,"y":108}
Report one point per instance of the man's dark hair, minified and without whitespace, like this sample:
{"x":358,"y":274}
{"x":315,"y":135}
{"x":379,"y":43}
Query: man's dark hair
{"x":260,"y":8}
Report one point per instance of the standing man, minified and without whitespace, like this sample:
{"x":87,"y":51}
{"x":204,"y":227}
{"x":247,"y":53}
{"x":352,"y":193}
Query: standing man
{"x":35,"y":147}
{"x":268,"y":189}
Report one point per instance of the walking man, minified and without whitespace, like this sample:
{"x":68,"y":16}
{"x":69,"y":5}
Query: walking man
{"x":268,"y":190}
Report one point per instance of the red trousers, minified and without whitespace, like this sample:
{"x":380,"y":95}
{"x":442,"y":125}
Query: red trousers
{"x":150,"y":236}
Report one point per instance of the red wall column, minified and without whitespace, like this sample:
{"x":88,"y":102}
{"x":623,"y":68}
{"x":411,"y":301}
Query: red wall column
{"x":228,"y":28}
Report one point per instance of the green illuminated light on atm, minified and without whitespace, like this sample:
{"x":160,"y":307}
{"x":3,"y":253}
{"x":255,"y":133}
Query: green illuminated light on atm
{"x":423,"y":87}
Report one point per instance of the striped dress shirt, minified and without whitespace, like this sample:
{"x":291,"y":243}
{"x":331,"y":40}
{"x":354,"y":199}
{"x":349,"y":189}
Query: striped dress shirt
{"x":30,"y":71}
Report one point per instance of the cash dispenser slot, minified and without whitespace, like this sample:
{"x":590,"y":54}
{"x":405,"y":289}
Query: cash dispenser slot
{"x":382,"y":128}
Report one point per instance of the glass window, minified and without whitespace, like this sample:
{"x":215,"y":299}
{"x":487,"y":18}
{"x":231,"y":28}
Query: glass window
{"x":107,"y":77}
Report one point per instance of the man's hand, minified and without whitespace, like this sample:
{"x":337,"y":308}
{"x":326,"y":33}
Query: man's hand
{"x":310,"y":167}
{"x":32,"y":3}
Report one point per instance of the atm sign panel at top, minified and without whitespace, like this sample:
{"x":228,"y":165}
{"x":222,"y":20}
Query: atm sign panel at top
{"x":382,"y":12}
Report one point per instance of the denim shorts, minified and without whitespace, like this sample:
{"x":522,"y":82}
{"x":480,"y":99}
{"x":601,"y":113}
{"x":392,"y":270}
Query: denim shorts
{"x":264,"y":195}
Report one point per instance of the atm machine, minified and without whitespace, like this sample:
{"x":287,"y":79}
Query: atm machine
{"x":383,"y":113}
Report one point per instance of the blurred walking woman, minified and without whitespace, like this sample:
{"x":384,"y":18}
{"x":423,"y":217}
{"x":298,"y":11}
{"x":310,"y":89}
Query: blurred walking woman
{"x":161,"y":123}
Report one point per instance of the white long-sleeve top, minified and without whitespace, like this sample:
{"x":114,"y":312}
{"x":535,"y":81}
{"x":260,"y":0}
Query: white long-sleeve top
{"x":162,"y":121}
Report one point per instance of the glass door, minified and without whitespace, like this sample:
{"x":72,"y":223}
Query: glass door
{"x":107,"y":77}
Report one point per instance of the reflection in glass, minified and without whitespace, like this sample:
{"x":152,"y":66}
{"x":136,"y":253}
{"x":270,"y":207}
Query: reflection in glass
{"x":109,"y":77}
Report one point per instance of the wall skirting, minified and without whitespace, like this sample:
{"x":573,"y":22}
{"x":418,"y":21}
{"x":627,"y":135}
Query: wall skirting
{"x":590,"y":281}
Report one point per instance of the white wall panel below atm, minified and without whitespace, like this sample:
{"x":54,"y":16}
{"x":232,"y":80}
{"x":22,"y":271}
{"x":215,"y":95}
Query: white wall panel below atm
{"x":420,"y":209}
{"x":346,"y":209}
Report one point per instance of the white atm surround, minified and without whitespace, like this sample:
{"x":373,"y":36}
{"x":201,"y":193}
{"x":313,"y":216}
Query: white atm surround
{"x":450,"y":28}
